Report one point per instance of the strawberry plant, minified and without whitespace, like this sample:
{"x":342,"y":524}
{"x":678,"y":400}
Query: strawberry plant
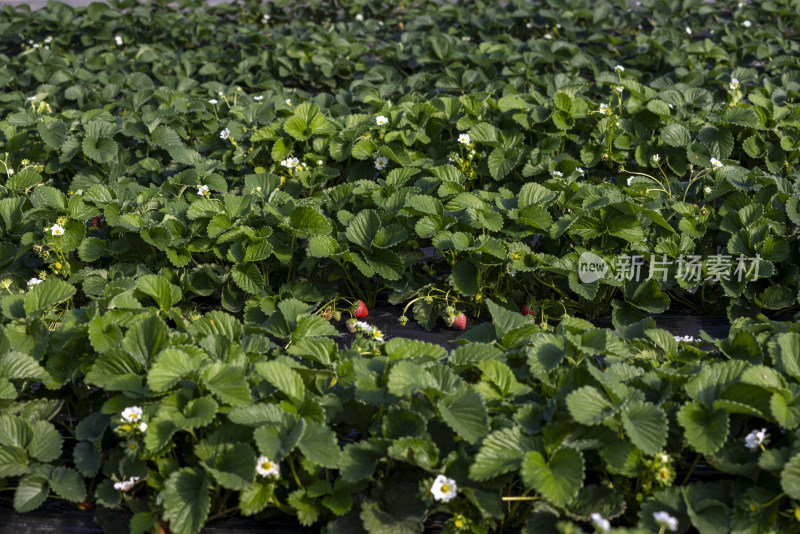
{"x":196,"y":202}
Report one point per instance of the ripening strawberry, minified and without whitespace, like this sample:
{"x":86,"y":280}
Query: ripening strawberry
{"x":95,"y":222}
{"x":361,"y":310}
{"x":461,"y":322}
{"x":327,"y":314}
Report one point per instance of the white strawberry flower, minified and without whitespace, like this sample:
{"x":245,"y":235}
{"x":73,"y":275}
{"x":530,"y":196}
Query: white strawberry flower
{"x":118,"y":40}
{"x":10,"y":171}
{"x":619,"y":68}
{"x":604,"y":109}
{"x":31,"y":98}
{"x":202,"y":190}
{"x":265,"y":19}
{"x":747,"y":24}
{"x":600,"y":522}
{"x":707,"y":189}
{"x":224,"y":133}
{"x":381,"y":162}
{"x":716,"y":163}
{"x":126,"y":485}
{"x":258,"y":98}
{"x":290,"y":163}
{"x":443,"y":488}
{"x":663,"y":519}
{"x":579,"y":171}
{"x":319,"y":162}
{"x":548,"y":36}
{"x":213,"y":101}
{"x":630,"y":179}
{"x":381,"y":120}
{"x":360,"y":17}
{"x":685,"y":339}
{"x":755,"y":438}
{"x":48,"y":39}
{"x":558,"y":174}
{"x":529,"y":25}
{"x":361,"y":325}
{"x":288,"y":101}
{"x":57,"y":230}
{"x":688,"y":30}
{"x":34,"y":281}
{"x":266,"y":468}
{"x":142,"y":427}
{"x":132,"y":414}
{"x":463,"y":139}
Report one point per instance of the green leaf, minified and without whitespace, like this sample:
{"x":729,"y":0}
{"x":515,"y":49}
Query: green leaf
{"x":13,"y":461}
{"x":406,"y":378}
{"x":86,"y":458}
{"x":505,"y":320}
{"x":308,"y":220}
{"x":234,"y":467}
{"x":501,"y":162}
{"x":227,"y":384}
{"x":16,"y":365}
{"x":171,"y":366}
{"x":646,"y":426}
{"x":46,"y":441}
{"x":32,"y":490}
{"x":676,"y":135}
{"x":53,"y":133}
{"x":164,"y":293}
{"x":501,"y":452}
{"x":275,"y":442}
{"x":359,"y":460}
{"x":558,"y":480}
{"x":319,"y":445}
{"x":46,"y":295}
{"x":186,"y":500}
{"x":363,"y":228}
{"x":465,"y":412}
{"x":589,"y":406}
{"x":68,"y":483}
{"x":198,"y":413}
{"x":255,"y":497}
{"x":284,"y":378}
{"x":100,"y":150}
{"x":790,"y":477}
{"x":706,"y":431}
{"x":464,"y":278}
{"x":248,"y":277}
{"x":322,"y":246}
{"x":719,"y":141}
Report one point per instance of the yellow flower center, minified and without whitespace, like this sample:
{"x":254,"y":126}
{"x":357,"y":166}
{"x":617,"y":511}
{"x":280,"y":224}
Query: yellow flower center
{"x":445,"y":488}
{"x":266,"y":466}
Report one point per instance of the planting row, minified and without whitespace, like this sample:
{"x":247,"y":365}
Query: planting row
{"x":518,"y":425}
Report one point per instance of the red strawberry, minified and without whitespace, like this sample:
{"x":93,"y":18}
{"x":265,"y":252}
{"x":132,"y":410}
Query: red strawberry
{"x":526,"y":310}
{"x":95,"y":222}
{"x":361,"y":310}
{"x":461,"y":322}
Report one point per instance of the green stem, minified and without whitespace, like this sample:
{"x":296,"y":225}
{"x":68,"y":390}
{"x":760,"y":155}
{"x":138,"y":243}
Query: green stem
{"x":691,"y":470}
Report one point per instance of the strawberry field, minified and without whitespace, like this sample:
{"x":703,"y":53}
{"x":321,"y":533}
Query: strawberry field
{"x":202,"y":208}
